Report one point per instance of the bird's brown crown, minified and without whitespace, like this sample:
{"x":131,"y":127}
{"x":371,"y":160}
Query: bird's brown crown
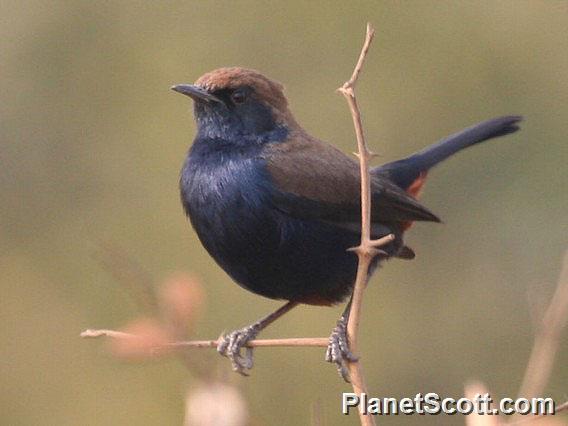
{"x":266,"y":90}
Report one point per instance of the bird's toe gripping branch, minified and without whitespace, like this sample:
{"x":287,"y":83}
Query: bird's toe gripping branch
{"x":231,"y":345}
{"x":338,"y":349}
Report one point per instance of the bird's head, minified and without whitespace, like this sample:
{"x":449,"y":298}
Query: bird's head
{"x":238,"y":103}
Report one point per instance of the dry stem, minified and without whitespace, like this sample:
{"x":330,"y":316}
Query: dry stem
{"x":547,"y":339}
{"x":300,"y":341}
{"x":367,"y":250}
{"x":545,"y":347}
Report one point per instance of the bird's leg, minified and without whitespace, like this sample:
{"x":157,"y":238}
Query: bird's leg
{"x":338,"y":348}
{"x":230,"y":345}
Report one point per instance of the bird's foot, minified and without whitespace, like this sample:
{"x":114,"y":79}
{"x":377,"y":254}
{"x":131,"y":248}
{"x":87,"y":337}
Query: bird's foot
{"x":231,"y":345}
{"x":338,"y":351}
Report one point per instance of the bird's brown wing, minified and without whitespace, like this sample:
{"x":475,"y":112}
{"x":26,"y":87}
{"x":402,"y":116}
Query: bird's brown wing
{"x":313,"y":179}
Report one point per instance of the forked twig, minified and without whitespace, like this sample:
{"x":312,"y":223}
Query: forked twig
{"x":368,"y":248}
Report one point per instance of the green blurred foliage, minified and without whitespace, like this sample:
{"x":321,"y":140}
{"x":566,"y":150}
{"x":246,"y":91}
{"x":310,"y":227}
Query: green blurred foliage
{"x":92,"y":141}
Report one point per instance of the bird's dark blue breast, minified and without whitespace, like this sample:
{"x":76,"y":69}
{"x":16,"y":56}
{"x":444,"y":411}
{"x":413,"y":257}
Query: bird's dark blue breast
{"x":227,"y":194}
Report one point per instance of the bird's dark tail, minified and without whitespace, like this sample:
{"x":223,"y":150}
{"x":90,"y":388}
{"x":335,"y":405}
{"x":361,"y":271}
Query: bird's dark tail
{"x":408,"y":171}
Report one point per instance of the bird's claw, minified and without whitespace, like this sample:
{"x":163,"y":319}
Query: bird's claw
{"x":231,"y":345}
{"x":338,"y":351}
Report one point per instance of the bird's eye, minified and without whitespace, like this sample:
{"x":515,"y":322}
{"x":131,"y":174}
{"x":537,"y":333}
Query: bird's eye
{"x":238,"y":97}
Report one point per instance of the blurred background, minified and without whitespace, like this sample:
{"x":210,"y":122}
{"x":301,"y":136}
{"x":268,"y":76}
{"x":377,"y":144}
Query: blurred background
{"x":92,"y":141}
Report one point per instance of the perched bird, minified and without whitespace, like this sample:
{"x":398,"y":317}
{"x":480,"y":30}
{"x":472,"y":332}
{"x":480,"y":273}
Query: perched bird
{"x":278,"y":209}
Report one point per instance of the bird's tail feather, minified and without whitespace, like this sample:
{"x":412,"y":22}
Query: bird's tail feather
{"x":404,"y":172}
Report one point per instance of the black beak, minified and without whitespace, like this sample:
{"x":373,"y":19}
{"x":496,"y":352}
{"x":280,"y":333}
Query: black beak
{"x":196,"y":93}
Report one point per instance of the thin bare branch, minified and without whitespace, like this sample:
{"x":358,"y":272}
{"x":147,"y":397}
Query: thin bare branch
{"x":547,"y":339}
{"x":367,"y":249}
{"x":362,"y":56}
{"x":107,"y":333}
{"x":319,"y":342}
{"x":300,"y":341}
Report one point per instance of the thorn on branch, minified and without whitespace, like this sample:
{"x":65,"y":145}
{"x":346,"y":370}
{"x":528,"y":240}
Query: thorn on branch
{"x":382,"y":241}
